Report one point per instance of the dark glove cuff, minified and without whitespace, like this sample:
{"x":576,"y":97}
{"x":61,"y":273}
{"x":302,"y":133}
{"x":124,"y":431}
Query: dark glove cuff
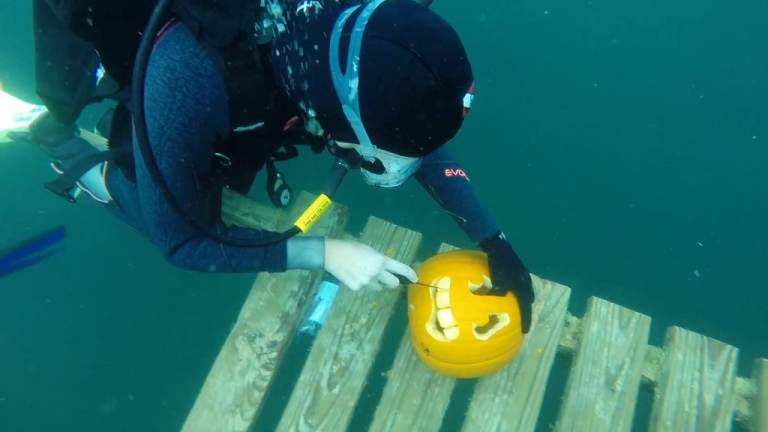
{"x":493,"y":243}
{"x":503,"y":259}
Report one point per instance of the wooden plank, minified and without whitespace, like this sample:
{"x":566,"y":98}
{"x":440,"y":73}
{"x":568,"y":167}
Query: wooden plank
{"x":695,"y":391}
{"x":570,"y":339}
{"x":326,"y":393}
{"x":745,"y":391}
{"x":237,"y":209}
{"x":415,"y":397}
{"x":760,"y":409}
{"x":94,"y":139}
{"x":602,"y":388}
{"x":511,"y":399}
{"x":654,"y":365}
{"x":242,"y":211}
{"x":235,"y":387}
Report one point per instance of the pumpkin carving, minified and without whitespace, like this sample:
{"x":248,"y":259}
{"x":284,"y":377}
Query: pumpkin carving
{"x":455,"y":329}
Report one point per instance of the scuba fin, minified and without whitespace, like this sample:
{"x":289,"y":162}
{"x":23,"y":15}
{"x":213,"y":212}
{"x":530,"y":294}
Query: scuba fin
{"x":67,"y":184}
{"x":32,"y":251}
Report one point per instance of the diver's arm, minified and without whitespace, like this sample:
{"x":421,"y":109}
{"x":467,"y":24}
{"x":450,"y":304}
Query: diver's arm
{"x":442,"y":176}
{"x":187,"y":112}
{"x":188,"y":248}
{"x":448,"y":183}
{"x":183,"y":145}
{"x":65,"y":66}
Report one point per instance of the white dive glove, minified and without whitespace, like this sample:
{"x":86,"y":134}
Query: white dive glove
{"x":357,"y":265}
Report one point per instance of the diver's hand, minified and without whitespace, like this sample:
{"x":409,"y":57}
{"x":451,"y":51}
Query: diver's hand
{"x":508,"y":273}
{"x":357,"y":265}
{"x":59,"y":140}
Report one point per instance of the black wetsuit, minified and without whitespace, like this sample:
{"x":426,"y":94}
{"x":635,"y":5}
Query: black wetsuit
{"x":184,"y":79}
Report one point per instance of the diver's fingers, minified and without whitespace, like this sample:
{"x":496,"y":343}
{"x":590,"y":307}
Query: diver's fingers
{"x":375,"y":286}
{"x":397,"y":268}
{"x":388,"y":280}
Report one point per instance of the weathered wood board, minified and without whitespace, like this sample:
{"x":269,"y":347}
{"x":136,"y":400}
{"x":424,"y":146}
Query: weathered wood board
{"x":235,"y":387}
{"x":602,"y":388}
{"x":241,"y":211}
{"x":415,"y":397}
{"x":695,"y":391}
{"x":328,"y":389}
{"x":511,"y":399}
{"x":760,"y":409}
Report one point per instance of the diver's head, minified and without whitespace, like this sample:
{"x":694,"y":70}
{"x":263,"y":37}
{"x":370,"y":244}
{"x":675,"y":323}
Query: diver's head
{"x":410,"y":90}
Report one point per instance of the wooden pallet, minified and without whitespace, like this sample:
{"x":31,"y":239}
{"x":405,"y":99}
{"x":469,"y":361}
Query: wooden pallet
{"x":693,"y":377}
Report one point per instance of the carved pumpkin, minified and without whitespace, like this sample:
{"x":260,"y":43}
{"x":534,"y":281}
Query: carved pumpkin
{"x":456,"y":330}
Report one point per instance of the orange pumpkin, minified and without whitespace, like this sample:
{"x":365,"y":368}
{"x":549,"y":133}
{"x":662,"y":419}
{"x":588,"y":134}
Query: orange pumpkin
{"x":456,"y":330}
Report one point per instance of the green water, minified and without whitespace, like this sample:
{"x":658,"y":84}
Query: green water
{"x":622,"y":146}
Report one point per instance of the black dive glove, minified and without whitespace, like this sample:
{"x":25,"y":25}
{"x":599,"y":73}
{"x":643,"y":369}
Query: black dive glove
{"x":508,"y":273}
{"x":59,"y":140}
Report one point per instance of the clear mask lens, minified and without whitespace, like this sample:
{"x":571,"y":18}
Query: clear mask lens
{"x":397,"y":169}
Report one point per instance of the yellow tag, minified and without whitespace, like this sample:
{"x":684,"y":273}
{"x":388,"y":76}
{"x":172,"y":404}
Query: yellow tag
{"x":313,"y":213}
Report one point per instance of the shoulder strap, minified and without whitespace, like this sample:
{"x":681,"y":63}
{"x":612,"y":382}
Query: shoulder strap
{"x":347,"y":83}
{"x":221,"y":23}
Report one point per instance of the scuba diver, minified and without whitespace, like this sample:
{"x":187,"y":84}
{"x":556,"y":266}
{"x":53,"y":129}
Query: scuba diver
{"x":208,"y":95}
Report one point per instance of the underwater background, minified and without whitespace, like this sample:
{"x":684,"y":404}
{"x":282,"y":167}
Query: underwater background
{"x":622,"y":146}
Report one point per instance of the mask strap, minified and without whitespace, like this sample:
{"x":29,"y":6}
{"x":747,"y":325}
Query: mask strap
{"x":347,"y":84}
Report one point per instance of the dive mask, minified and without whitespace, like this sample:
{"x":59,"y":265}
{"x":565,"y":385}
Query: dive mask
{"x":387,"y":169}
{"x":379,"y":167}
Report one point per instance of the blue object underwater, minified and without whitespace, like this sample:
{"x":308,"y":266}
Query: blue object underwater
{"x":32,"y":251}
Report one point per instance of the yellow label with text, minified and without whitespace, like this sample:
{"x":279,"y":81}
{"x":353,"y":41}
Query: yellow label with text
{"x":313,"y":213}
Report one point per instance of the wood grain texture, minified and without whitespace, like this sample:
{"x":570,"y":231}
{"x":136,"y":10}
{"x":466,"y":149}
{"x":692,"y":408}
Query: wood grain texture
{"x":654,"y":364}
{"x":415,"y":397}
{"x":602,"y":388}
{"x":510,"y":400}
{"x":241,"y":375}
{"x":242,"y":211}
{"x":745,"y":390}
{"x":346,"y":346}
{"x":571,"y":337}
{"x":760,"y":410}
{"x":695,"y":391}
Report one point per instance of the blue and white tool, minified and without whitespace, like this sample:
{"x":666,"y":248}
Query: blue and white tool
{"x":321,"y":306}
